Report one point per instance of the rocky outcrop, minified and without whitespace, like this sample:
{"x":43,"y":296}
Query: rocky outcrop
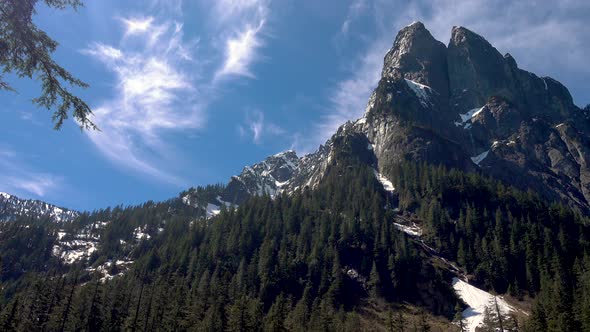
{"x":267,"y":177}
{"x":417,"y":56}
{"x":502,"y":120}
{"x":465,"y":106}
{"x":477,"y":71}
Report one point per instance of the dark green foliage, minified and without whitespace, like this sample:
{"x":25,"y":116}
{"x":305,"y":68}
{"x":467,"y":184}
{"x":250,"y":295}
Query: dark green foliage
{"x":310,"y":261}
{"x":272,"y":264}
{"x":25,"y":245}
{"x":507,"y":240}
{"x":458,"y":319}
{"x":25,"y":50}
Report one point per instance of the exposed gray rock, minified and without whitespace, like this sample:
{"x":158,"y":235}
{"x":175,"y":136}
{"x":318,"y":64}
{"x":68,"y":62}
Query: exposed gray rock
{"x":417,"y":56}
{"x":267,"y":177}
{"x":477,"y":70}
{"x":466,"y":107}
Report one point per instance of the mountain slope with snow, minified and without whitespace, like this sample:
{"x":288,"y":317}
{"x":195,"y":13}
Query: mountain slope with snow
{"x":478,"y":300}
{"x":464,"y":106}
{"x":12,"y":207}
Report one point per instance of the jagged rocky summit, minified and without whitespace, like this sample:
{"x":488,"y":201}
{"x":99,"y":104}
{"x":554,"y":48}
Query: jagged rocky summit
{"x":463,"y":105}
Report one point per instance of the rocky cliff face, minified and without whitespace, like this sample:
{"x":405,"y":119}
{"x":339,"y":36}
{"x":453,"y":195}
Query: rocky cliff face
{"x":498,"y":118}
{"x":267,"y":177}
{"x":417,"y":56}
{"x":463,"y":105}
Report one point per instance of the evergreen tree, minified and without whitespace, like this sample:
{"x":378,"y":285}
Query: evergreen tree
{"x":459,"y":320}
{"x":25,"y":50}
{"x":375,"y":281}
{"x":399,"y":322}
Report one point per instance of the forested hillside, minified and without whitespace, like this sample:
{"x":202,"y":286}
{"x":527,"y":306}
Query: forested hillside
{"x":315,"y":260}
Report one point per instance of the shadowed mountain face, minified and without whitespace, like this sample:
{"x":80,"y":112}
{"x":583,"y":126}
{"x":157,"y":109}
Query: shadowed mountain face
{"x":463,"y":105}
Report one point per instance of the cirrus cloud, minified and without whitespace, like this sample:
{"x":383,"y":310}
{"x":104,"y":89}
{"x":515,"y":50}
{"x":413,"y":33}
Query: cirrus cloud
{"x":153,"y":95}
{"x":241,"y":23}
{"x":18,"y":177}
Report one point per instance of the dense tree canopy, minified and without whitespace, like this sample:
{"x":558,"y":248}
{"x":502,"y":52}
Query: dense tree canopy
{"x":317,"y":260}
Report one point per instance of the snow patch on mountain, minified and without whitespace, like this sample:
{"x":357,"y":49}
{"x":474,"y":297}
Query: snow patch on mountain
{"x":477,"y":300}
{"x":412,"y":230}
{"x":106,"y":272}
{"x":140,"y":233}
{"x":72,"y":251}
{"x":545,"y":83}
{"x":387,"y":185}
{"x":471,"y":114}
{"x":12,"y":207}
{"x":71,"y":248}
{"x":370,"y":104}
{"x":212,"y":210}
{"x":421,"y":91}
{"x":480,"y":157}
{"x":466,"y":118}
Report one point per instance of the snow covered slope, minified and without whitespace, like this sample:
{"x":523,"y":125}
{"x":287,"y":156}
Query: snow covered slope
{"x":477,"y":300}
{"x":12,"y":207}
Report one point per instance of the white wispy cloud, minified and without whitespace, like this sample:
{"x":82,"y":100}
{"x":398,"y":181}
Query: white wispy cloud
{"x":161,"y":85}
{"x":240,"y":11}
{"x":38,"y":184}
{"x":355,"y":9}
{"x":18,"y":177}
{"x":348,"y":98}
{"x":153,"y":95}
{"x":138,"y":25}
{"x":104,"y":53}
{"x":241,"y":52}
{"x":256,"y":127}
{"x":30,"y":117}
{"x":168,"y":6}
{"x":241,"y":23}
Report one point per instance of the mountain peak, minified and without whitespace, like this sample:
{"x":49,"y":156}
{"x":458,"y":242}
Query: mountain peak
{"x":465,"y":107}
{"x":287,"y":153}
{"x":475,"y":101}
{"x":416,"y":25}
{"x":460,"y":34}
{"x":416,"y":55}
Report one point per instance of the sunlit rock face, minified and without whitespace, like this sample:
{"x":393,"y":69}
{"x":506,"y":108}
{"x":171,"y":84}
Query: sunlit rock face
{"x":464,"y":106}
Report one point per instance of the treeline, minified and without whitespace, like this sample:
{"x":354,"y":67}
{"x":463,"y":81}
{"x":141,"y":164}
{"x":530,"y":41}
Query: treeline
{"x":311,"y":261}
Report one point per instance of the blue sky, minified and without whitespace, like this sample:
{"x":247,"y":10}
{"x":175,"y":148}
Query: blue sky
{"x":187,"y":92}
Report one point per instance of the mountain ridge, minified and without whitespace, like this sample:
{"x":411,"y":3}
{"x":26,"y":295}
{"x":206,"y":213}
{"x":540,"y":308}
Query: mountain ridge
{"x":12,"y":207}
{"x":466,"y":106}
{"x":463,"y":105}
